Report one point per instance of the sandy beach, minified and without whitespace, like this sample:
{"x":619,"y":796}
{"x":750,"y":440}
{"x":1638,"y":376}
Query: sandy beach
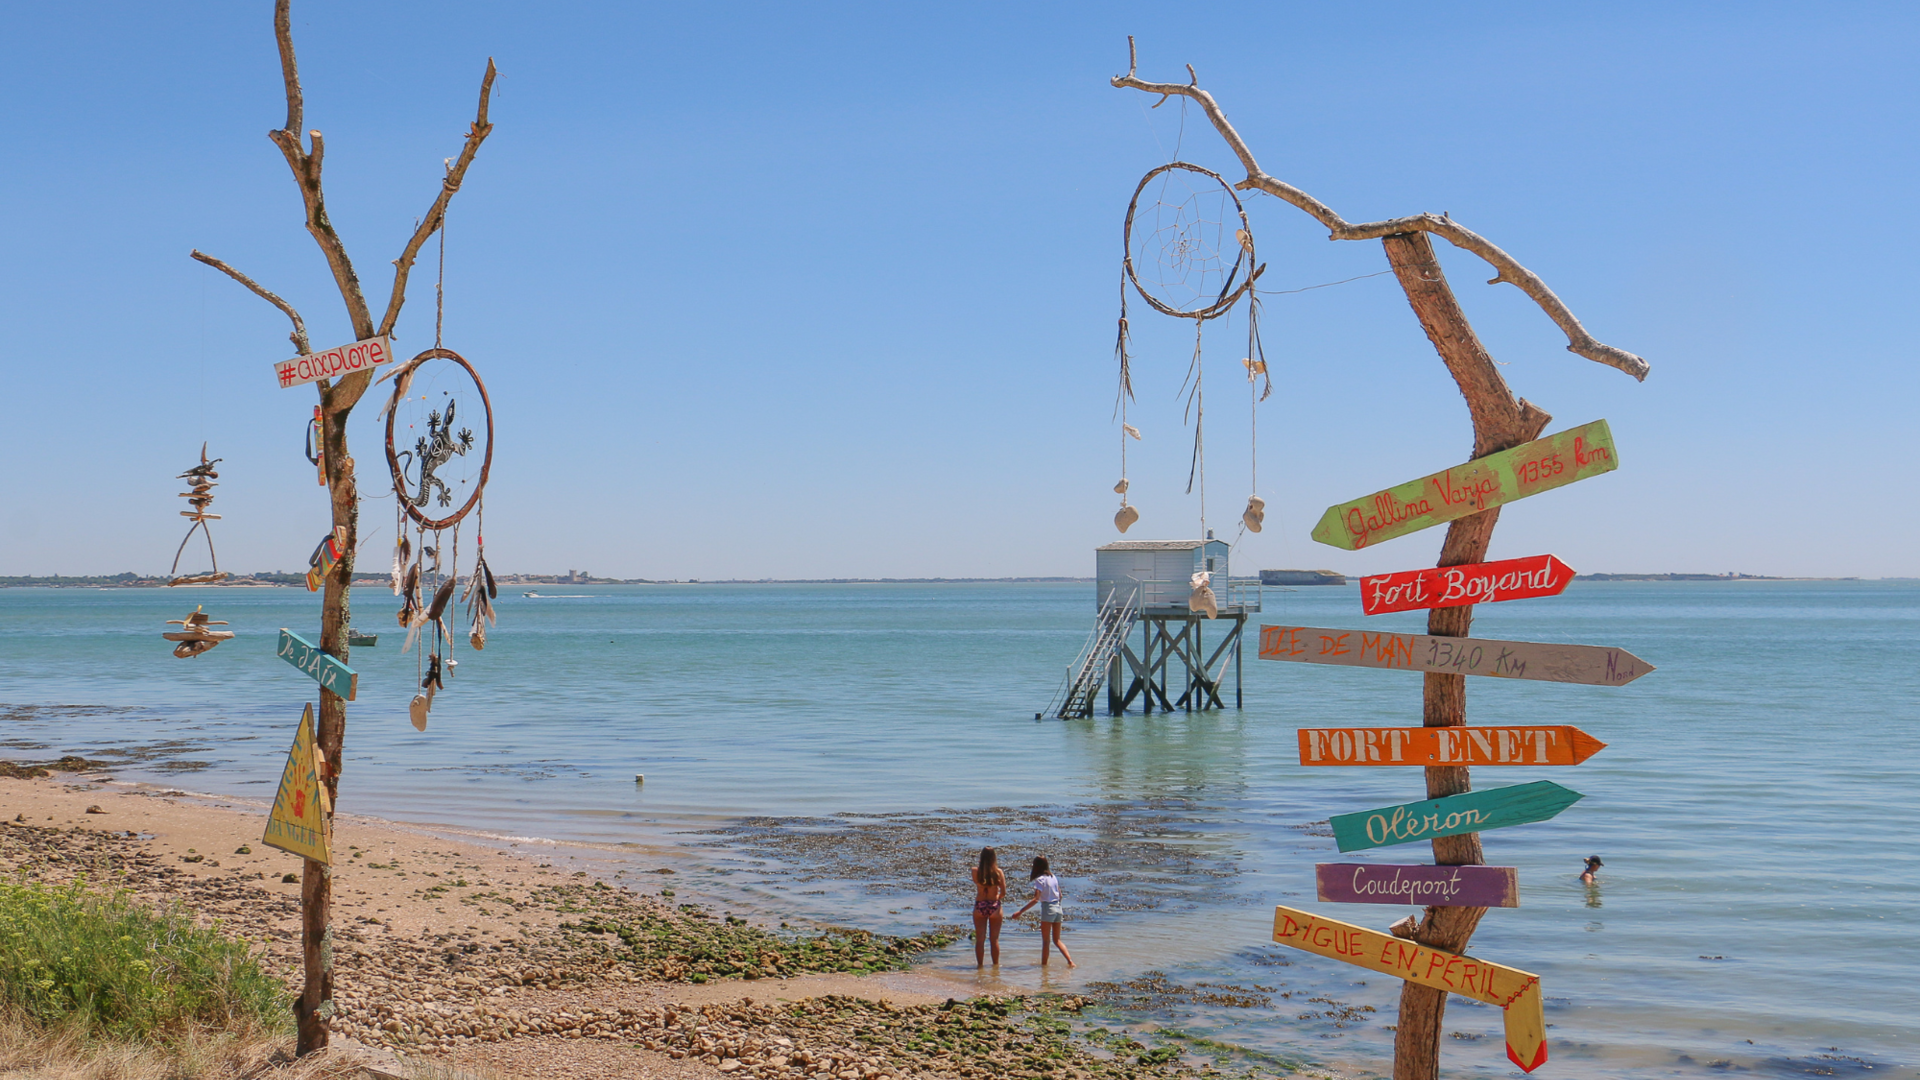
{"x":505,"y":961}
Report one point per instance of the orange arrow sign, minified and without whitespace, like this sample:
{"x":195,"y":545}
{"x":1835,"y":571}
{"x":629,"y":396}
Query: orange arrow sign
{"x":1556,"y":744}
{"x":1516,"y":992}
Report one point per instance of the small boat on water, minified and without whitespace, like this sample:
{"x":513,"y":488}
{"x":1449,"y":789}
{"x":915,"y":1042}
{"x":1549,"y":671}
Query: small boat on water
{"x":355,"y":637}
{"x":535,"y":595}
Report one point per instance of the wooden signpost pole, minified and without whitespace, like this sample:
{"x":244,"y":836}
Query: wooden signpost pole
{"x":1500,"y":422}
{"x":304,"y":152}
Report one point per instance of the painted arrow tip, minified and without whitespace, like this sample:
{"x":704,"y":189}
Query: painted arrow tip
{"x":1329,"y":532}
{"x":1623,"y":667}
{"x":1539,"y":1058}
{"x":1565,"y":796}
{"x":1585,"y":746}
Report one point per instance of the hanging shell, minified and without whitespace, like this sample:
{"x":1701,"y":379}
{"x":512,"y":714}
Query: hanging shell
{"x":1131,"y":430}
{"x":417,"y":711}
{"x":1200,"y":598}
{"x":1126,"y":517}
{"x":1122,"y":486}
{"x":1256,"y":513}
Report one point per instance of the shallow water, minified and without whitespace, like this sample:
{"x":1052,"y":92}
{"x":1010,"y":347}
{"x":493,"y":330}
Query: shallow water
{"x":1755,"y":807}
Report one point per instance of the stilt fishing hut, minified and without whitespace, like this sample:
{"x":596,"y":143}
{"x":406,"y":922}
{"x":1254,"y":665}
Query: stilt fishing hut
{"x":1165,"y":587}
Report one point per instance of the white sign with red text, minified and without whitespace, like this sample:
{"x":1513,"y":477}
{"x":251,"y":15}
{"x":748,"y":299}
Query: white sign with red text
{"x":345,"y":360}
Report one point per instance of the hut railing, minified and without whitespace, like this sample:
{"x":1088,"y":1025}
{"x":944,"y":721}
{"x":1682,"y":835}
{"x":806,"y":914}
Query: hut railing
{"x":1073,"y":698}
{"x":1242,"y":595}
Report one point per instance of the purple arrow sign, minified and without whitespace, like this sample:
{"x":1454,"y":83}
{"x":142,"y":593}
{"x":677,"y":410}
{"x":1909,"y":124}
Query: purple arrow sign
{"x":1437,"y":886}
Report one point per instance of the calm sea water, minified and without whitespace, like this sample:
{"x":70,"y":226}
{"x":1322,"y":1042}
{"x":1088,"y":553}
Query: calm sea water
{"x":1757,"y":806}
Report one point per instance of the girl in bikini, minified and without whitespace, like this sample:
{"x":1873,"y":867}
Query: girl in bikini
{"x":989,"y":888}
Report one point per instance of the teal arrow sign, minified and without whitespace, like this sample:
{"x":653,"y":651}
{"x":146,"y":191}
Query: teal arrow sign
{"x":1452,"y":815}
{"x":320,"y":667}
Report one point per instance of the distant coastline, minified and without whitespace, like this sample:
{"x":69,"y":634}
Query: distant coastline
{"x":285,"y":580}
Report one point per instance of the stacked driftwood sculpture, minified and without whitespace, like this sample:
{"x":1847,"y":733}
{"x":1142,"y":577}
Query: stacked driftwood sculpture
{"x":199,"y":495}
{"x":193,"y":635}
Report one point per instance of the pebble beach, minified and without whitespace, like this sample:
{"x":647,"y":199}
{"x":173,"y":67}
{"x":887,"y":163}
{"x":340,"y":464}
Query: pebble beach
{"x":495,"y":959}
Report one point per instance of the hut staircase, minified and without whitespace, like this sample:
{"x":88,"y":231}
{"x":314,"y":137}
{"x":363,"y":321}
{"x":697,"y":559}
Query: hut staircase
{"x":1089,"y":672}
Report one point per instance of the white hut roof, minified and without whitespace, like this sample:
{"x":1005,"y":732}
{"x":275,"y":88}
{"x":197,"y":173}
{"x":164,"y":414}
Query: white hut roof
{"x":1155,"y":545}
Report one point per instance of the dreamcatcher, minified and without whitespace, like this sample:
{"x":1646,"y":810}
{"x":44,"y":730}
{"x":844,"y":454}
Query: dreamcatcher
{"x":1189,"y":254}
{"x":439,"y":450}
{"x":199,"y":495}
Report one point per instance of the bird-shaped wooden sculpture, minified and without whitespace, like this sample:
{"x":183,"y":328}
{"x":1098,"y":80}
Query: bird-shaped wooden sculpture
{"x":193,"y":635}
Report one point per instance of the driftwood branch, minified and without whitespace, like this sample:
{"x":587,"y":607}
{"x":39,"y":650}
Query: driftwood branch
{"x":436,"y":215}
{"x":1506,"y":268}
{"x":299,"y":335}
{"x":306,"y":173}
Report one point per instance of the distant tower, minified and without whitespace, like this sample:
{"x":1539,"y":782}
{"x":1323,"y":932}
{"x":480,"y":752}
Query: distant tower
{"x":1149,"y":583}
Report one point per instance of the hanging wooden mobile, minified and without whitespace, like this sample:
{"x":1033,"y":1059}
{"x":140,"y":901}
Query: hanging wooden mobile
{"x":1189,"y":254}
{"x":193,"y":635}
{"x":200,"y":484}
{"x":440,"y":452}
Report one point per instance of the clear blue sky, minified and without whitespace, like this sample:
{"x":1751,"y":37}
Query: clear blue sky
{"x":829,"y":290}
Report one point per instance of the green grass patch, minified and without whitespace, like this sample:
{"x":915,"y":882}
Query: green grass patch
{"x":112,"y":966}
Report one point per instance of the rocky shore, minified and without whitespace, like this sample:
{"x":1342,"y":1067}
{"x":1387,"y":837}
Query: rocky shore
{"x":508,"y":962}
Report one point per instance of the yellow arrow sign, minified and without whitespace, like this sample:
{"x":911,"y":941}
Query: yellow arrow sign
{"x":301,"y":818}
{"x":1516,"y":992}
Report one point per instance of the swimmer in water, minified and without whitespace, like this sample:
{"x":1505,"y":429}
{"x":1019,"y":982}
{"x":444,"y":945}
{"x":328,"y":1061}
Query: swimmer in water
{"x":1591,"y":875}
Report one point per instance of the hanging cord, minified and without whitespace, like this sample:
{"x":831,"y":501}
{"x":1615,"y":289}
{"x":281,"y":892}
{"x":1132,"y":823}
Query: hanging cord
{"x":440,"y":286}
{"x":1125,"y":392}
{"x":1255,"y":515}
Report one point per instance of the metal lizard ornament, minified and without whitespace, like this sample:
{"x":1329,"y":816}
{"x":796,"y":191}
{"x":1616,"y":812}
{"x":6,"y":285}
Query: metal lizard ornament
{"x":434,"y":449}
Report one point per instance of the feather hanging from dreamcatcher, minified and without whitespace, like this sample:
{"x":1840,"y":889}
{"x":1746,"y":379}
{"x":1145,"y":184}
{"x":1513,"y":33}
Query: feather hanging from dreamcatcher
{"x":480,"y":595}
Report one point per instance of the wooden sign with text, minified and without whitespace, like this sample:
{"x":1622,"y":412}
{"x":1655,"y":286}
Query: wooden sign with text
{"x":1556,"y":744}
{"x":1473,"y":583}
{"x":1494,"y":480}
{"x":320,"y":667}
{"x":1593,"y":665}
{"x":1451,"y":815}
{"x":1516,"y":992}
{"x":344,"y":360}
{"x":1436,"y":886}
{"x":300,"y":819}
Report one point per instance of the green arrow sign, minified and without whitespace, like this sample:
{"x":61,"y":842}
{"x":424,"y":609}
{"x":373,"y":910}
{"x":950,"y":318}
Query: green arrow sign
{"x":1452,"y":815}
{"x":1494,"y":480}
{"x":321,"y":667}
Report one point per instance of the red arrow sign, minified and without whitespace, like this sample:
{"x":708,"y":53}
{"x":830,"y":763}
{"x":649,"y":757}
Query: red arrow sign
{"x":1474,"y":583}
{"x":1478,"y":745}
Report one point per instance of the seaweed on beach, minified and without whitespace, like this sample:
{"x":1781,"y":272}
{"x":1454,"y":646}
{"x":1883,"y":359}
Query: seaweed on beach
{"x":687,"y":944}
{"x":1118,"y":856}
{"x":1154,"y":991}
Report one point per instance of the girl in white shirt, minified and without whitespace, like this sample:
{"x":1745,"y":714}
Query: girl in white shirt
{"x":1046,"y":893}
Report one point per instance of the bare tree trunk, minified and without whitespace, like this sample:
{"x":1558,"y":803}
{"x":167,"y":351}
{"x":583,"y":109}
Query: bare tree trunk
{"x":315,"y":1005}
{"x":316,"y":884}
{"x":1499,"y":422}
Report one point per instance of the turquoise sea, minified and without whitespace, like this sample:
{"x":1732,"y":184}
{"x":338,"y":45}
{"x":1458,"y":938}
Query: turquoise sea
{"x":834,"y":752}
